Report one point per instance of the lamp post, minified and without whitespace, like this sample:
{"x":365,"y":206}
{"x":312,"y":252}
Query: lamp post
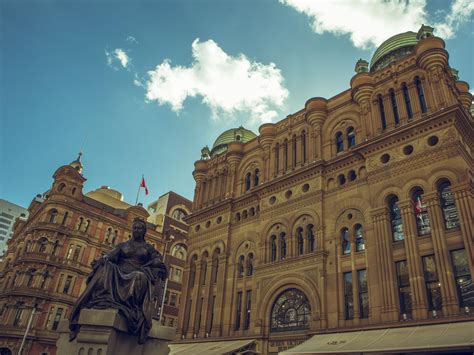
{"x":168,"y":238}
{"x":28,"y":326}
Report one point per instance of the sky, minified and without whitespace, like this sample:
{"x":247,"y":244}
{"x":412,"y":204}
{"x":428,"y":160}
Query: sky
{"x":141,"y":86}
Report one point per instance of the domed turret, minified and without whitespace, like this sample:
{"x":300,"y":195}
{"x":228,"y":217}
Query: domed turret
{"x":240,"y":134}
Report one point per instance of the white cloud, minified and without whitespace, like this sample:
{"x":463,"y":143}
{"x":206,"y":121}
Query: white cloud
{"x":131,"y":39}
{"x":227,"y":84}
{"x":118,"y":55}
{"x":460,"y":12}
{"x":370,"y":22}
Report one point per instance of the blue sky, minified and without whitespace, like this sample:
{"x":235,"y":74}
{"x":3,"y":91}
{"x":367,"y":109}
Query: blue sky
{"x":142,"y":86}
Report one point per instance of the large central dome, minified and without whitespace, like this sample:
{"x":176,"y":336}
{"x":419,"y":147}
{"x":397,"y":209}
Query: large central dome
{"x":393,"y":49}
{"x":240,"y":134}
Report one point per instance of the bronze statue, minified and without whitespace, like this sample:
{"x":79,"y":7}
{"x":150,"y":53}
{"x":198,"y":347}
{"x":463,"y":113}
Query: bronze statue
{"x":124,"y":279}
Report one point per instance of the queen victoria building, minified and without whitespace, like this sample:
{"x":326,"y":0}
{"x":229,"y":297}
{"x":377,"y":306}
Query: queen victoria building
{"x":350,"y":216}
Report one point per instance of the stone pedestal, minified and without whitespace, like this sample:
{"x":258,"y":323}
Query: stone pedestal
{"x":104,"y":332}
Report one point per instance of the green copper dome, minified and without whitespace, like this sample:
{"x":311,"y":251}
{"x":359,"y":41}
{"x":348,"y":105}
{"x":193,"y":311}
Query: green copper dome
{"x":393,"y":49}
{"x":240,"y":134}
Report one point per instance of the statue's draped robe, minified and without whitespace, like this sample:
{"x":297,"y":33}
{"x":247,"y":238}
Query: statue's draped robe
{"x":123,"y":280}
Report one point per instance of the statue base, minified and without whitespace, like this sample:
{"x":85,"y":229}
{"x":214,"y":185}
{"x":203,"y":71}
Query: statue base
{"x":104,"y":332}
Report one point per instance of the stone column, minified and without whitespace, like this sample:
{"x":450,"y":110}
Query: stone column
{"x":415,"y":101}
{"x":387,"y":103}
{"x":355,"y":279}
{"x":195,"y":299}
{"x":415,"y":267}
{"x":463,"y":197}
{"x":402,"y":110}
{"x":442,"y":258}
{"x":387,"y":277}
{"x":220,"y":305}
{"x":207,"y":287}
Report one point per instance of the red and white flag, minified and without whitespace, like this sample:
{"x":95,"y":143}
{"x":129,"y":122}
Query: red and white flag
{"x":143,"y":184}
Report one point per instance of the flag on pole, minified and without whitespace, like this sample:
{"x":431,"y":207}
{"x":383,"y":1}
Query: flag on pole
{"x":143,"y":184}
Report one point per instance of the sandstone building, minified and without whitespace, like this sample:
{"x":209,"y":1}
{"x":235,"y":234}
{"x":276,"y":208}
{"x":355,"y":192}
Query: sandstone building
{"x":354,"y":213}
{"x":49,"y":256}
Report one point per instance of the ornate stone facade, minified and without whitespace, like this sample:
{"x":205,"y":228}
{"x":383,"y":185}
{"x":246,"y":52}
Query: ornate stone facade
{"x":49,"y":257}
{"x":355,"y":212}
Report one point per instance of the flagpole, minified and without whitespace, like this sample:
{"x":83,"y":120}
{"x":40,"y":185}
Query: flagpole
{"x":138,"y":192}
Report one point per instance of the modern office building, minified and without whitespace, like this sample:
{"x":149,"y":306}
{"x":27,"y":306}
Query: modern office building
{"x":353,"y":214}
{"x":9,"y":212}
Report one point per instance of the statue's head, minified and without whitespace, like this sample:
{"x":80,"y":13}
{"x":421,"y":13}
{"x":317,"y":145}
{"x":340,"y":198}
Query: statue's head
{"x":138,"y":228}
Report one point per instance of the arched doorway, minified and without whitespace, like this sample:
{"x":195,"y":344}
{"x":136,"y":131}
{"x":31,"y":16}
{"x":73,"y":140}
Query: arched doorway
{"x":5,"y":351}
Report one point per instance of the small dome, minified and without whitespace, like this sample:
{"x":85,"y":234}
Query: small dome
{"x":393,"y":49}
{"x":240,"y":134}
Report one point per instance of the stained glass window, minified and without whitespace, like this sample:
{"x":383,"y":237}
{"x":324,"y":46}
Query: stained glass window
{"x":291,"y":311}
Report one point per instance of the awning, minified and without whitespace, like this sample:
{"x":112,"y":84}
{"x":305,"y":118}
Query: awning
{"x":214,"y":347}
{"x":423,"y":337}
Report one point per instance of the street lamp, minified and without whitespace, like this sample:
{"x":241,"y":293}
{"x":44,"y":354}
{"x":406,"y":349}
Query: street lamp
{"x":168,"y":238}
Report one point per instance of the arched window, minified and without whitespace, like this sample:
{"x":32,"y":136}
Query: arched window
{"x":406,"y":97}
{"x":256,"y":177}
{"x":244,"y":214}
{"x":273,"y":247}
{"x":237,"y":216}
{"x":277,"y":158}
{"x":383,"y":121}
{"x":44,"y":275}
{"x":252,"y":212}
{"x":28,"y":246}
{"x":178,"y":214}
{"x":80,"y":222}
{"x":108,"y":234}
{"x":55,"y":247}
{"x":421,"y":95}
{"x":293,"y":150}
{"x":179,"y":251}
{"x":282,"y":246}
{"x":192,"y":271}
{"x":87,"y":225}
{"x":204,"y":270}
{"x":43,"y":243}
{"x":310,"y":237}
{"x":285,"y":154}
{"x":52,"y":215}
{"x":291,"y":311}
{"x":248,"y":179}
{"x":359,"y":237}
{"x":61,"y":187}
{"x":341,"y":179}
{"x":393,"y":99}
{"x":339,"y":142}
{"x":395,"y":219}
{"x":31,"y":275}
{"x":114,"y":237}
{"x":351,"y":137}
{"x":63,"y":222}
{"x":303,"y":146}
{"x":346,"y":243}
{"x":299,"y":234}
{"x":250,"y":265}
{"x":421,"y":212}
{"x":446,"y":199}
{"x":215,"y":266}
{"x":240,"y":266}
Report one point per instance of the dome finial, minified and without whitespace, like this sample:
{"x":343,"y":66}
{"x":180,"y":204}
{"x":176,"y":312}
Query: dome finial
{"x":77,"y":164}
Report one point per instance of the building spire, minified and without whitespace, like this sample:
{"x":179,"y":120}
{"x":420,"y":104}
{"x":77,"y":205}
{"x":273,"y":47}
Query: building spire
{"x":77,"y":164}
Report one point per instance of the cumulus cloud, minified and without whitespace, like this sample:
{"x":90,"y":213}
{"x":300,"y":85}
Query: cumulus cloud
{"x":118,"y":55}
{"x":227,"y":84}
{"x":460,"y":13}
{"x":370,"y":22}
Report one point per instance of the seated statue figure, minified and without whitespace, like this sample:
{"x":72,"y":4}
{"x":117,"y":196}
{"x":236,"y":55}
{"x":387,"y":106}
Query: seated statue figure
{"x":125,"y":279}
